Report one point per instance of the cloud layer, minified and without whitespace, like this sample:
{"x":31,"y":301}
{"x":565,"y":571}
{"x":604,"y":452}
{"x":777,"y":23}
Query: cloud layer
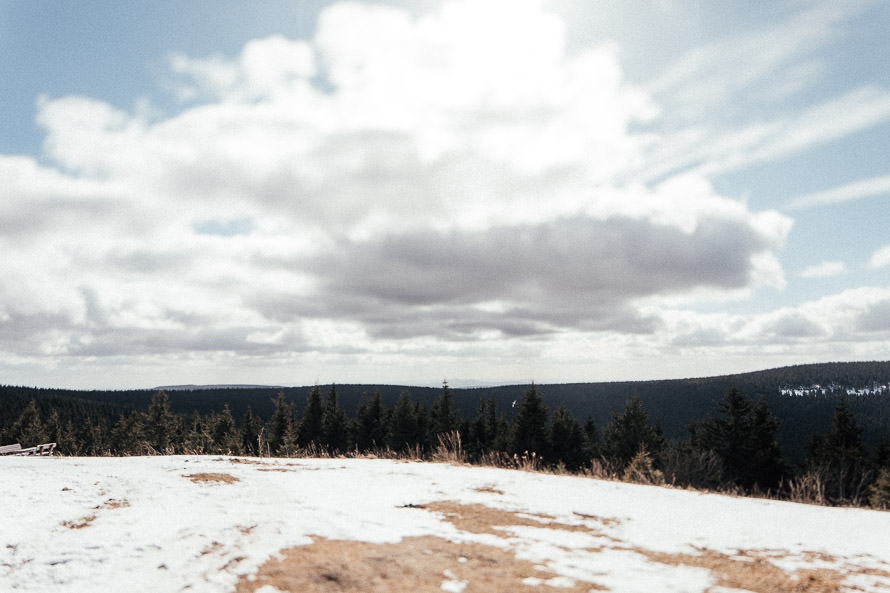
{"x":396,"y":184}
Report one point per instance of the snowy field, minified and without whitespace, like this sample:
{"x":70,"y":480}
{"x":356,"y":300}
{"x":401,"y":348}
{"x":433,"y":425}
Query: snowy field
{"x":211,"y":524}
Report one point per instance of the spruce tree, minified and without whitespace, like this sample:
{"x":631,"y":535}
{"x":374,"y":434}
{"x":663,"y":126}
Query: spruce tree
{"x":250,"y":433}
{"x":840,"y":457}
{"x":629,"y":432}
{"x":442,"y":417}
{"x":530,"y":426}
{"x":335,"y":424}
{"x":282,"y":424}
{"x":403,"y":424}
{"x":370,"y":431}
{"x":310,"y":428}
{"x":28,"y":429}
{"x":567,"y":440}
{"x":224,"y":433}
{"x":160,"y":425}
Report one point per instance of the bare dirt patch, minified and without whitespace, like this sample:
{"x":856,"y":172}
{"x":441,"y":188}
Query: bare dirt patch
{"x":413,"y":565}
{"x":753,"y":571}
{"x":211,"y":478}
{"x":85,"y":521}
{"x":488,"y":489}
{"x":478,"y":518}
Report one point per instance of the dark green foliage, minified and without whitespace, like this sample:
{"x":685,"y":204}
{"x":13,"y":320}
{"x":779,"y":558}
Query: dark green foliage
{"x":530,"y":427}
{"x":28,"y":428}
{"x":370,"y":431}
{"x":224,"y":433}
{"x":839,"y":457}
{"x":567,"y":440}
{"x":281,"y":430}
{"x":742,"y":435}
{"x":335,"y":424}
{"x":630,"y":432}
{"x":160,"y":426}
{"x":403,"y":430}
{"x":487,"y":431}
{"x":251,"y":442}
{"x":592,"y":439}
{"x":310,"y":429}
{"x":442,"y":417}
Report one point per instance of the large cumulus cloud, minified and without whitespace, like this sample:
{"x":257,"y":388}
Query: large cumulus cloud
{"x":457,"y":176}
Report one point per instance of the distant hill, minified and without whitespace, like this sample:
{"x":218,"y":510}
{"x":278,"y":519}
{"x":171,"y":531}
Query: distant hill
{"x":674,"y":403}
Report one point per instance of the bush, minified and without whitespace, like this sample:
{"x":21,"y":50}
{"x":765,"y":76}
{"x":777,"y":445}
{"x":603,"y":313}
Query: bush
{"x":641,"y":469}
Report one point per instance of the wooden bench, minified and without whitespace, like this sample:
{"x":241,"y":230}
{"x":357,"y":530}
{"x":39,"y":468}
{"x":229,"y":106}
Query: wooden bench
{"x":16,"y":449}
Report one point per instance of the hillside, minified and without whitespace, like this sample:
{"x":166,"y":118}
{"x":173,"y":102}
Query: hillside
{"x":673,"y":404}
{"x":242,"y":525}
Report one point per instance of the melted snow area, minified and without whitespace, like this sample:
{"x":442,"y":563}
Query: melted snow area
{"x":211,"y":524}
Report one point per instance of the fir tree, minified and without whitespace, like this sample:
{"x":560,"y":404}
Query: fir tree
{"x":224,"y":433}
{"x":592,"y":442}
{"x":251,"y":433}
{"x":840,"y":457}
{"x":309,"y":430}
{"x":442,"y":417}
{"x":403,"y":424}
{"x":160,"y":425}
{"x":282,"y":424}
{"x":629,"y":432}
{"x":28,"y":428}
{"x":530,"y":427}
{"x":369,"y":429}
{"x":567,"y":439}
{"x":335,"y":424}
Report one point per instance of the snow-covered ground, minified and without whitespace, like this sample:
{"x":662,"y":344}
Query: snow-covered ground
{"x":212,"y":524}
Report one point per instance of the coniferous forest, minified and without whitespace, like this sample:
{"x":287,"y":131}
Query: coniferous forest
{"x":814,"y":433}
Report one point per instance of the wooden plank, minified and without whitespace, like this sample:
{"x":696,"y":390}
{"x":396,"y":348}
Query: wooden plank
{"x":10,"y":449}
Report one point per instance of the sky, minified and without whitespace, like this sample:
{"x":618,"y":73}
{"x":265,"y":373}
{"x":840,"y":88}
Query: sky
{"x":485,"y":191}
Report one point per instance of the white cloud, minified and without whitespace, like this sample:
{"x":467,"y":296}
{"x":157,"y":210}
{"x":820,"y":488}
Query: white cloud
{"x":857,"y":190}
{"x":826,"y":269}
{"x":880,"y":258}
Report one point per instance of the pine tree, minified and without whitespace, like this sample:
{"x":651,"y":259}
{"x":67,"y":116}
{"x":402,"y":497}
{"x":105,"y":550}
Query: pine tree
{"x":840,"y":457}
{"x":567,"y":440}
{"x":310,"y":430}
{"x":251,"y":434}
{"x":335,"y":424}
{"x":403,"y":424}
{"x":530,"y":427}
{"x":369,"y":430}
{"x":282,"y":424}
{"x":442,"y":417}
{"x":629,"y":432}
{"x":743,"y":436}
{"x":160,"y":425}
{"x":28,"y":429}
{"x":224,"y":433}
{"x":592,"y":436}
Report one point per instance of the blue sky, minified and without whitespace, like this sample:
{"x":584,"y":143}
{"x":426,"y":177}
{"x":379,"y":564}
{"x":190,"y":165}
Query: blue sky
{"x":401,"y":192}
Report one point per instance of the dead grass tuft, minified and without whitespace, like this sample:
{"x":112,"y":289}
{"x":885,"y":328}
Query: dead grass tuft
{"x":478,"y":518}
{"x":488,"y":488}
{"x":211,"y":477}
{"x":413,"y":565}
{"x":111,"y":503}
{"x":754,"y":571}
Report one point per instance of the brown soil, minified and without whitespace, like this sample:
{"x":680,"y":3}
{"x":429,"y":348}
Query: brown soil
{"x":478,"y":518}
{"x":414,"y":565}
{"x":211,"y":478}
{"x":85,"y":521}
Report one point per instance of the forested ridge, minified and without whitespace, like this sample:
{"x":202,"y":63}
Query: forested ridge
{"x":737,"y":432}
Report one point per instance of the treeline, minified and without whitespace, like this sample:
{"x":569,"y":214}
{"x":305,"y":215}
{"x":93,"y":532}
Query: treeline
{"x":734,"y":449}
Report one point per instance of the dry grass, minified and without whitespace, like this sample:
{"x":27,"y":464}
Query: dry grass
{"x":478,"y":518}
{"x":489,"y":489}
{"x":85,"y":521}
{"x":413,"y":565}
{"x":211,"y":478}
